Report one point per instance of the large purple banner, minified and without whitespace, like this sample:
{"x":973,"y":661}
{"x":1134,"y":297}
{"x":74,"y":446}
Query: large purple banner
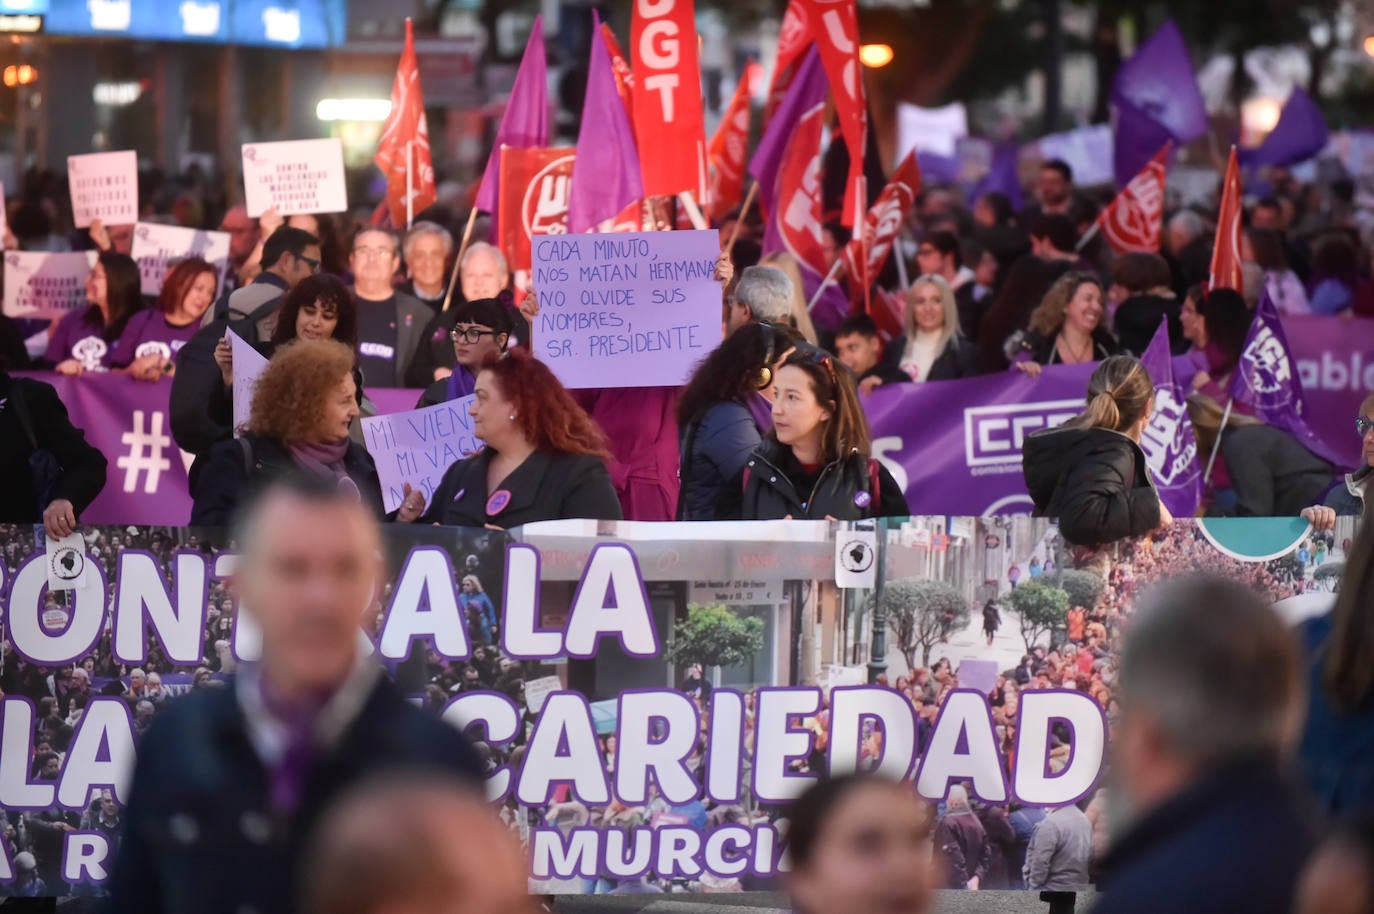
{"x":1335,"y":359}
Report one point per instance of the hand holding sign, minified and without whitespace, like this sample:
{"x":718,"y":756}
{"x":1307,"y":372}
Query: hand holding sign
{"x":413,"y":451}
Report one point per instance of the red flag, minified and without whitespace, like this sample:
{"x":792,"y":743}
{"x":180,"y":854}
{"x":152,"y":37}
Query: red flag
{"x":797,"y":221}
{"x":886,"y":310}
{"x":835,"y":29}
{"x":403,"y":151}
{"x":624,"y":77}
{"x":729,"y":147}
{"x":533,"y":198}
{"x":793,"y":39}
{"x":1225,"y":272}
{"x":1134,"y":220}
{"x":669,"y":125}
{"x":882,"y":224}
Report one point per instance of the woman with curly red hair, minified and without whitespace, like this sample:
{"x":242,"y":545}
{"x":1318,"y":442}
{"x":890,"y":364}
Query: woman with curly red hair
{"x":303,"y":405}
{"x":544,"y":457}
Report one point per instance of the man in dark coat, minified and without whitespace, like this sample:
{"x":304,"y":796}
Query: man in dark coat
{"x":229,"y":782}
{"x":962,"y":841}
{"x":1216,"y":826}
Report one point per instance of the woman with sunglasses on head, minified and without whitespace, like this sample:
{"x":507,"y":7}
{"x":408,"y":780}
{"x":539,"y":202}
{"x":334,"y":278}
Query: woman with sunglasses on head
{"x":816,"y":463}
{"x":724,"y":412}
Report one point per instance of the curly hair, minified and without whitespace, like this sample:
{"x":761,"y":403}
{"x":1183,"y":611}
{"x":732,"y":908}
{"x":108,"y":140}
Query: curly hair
{"x":292,"y":391}
{"x":1048,"y":318}
{"x":547,"y":414}
{"x":731,"y":371}
{"x":324,"y":289}
{"x":179,"y":280}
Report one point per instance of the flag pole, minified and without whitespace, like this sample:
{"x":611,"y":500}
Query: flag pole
{"x":743,"y":213}
{"x":462,"y":246}
{"x":1088,"y":236}
{"x":693,"y":211}
{"x":410,"y":184}
{"x":1216,"y":445}
{"x":829,"y":278}
{"x":898,"y":256}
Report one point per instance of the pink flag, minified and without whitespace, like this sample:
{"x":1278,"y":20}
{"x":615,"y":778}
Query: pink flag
{"x":606,"y":176}
{"x":526,"y":121}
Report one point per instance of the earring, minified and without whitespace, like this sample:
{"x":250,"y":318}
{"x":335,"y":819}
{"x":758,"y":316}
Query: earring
{"x":512,"y":417}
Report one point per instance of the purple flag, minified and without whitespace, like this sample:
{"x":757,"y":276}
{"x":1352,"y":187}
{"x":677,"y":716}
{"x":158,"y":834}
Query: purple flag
{"x":1155,"y":98}
{"x":525,"y":122}
{"x":1299,"y":135}
{"x":1266,"y":380}
{"x":605,"y":175}
{"x":938,"y":169}
{"x":1168,"y":441}
{"x":1002,"y":176}
{"x":806,"y":91}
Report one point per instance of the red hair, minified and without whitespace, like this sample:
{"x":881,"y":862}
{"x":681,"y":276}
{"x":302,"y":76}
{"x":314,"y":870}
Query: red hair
{"x":545,"y":411}
{"x":179,"y":280}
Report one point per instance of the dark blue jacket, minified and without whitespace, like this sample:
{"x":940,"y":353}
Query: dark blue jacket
{"x":199,"y":831}
{"x":1234,"y":841}
{"x":720,"y":445}
{"x":1336,"y":747}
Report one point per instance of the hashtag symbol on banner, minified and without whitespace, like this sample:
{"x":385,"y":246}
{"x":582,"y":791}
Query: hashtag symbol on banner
{"x":145,"y":454}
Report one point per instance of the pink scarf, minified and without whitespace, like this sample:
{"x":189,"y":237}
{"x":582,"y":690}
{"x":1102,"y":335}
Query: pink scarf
{"x":325,"y":459}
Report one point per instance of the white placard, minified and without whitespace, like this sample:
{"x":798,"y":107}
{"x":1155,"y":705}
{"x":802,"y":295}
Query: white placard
{"x":418,"y":447}
{"x":856,"y":558}
{"x":158,"y":247}
{"x":846,"y":676}
{"x":295,"y":176}
{"x":104,"y":186}
{"x":248,"y":367}
{"x":1087,"y":150}
{"x":44,"y":285}
{"x":68,"y":563}
{"x":936,"y":130}
{"x":537,"y":692}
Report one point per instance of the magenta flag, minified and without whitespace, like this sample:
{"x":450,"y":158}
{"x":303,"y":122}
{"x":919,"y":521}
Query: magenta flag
{"x":605,"y":175}
{"x":526,"y":121}
{"x":806,"y":92}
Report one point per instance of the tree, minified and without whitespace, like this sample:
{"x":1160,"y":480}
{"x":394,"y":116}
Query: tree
{"x":715,"y":635}
{"x":1041,"y":608}
{"x":1083,"y":587}
{"x":922,"y":614}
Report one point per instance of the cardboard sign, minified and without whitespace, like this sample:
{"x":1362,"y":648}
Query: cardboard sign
{"x":626,"y":310}
{"x":158,"y":247}
{"x":248,"y":367}
{"x":104,"y":186}
{"x":44,"y":285}
{"x":418,"y":447}
{"x":538,"y":690}
{"x":296,"y":176}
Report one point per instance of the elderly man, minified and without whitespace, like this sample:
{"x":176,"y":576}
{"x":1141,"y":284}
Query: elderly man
{"x":229,"y":781}
{"x":762,"y":294}
{"x":427,"y":249}
{"x":482,"y":273}
{"x":1211,"y":702}
{"x":390,"y":323}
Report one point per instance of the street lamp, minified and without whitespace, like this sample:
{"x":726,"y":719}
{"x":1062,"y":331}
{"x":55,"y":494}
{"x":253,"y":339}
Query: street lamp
{"x":1369,"y":45}
{"x":875,"y":56}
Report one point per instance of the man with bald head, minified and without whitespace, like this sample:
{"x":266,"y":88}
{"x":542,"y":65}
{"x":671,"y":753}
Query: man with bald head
{"x":482,"y":274}
{"x":391,"y":323}
{"x":416,"y":846}
{"x":229,"y":781}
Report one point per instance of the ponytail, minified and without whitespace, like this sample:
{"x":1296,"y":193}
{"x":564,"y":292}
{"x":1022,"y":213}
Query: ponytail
{"x":1119,"y":393}
{"x":1102,"y":412}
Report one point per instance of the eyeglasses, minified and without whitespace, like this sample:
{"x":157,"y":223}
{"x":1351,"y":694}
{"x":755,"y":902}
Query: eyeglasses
{"x":311,"y":262}
{"x":1363,"y":424}
{"x":471,"y":335}
{"x":925,"y":251}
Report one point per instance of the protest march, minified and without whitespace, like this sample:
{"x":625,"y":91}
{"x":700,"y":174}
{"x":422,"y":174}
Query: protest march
{"x":730,"y":477}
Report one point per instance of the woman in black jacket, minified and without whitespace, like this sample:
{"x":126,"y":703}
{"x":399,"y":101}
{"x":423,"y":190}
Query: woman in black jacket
{"x":1066,"y":329}
{"x":816,"y":462}
{"x":303,"y":405}
{"x":933,"y":347}
{"x":544,"y":457}
{"x":52,"y":489}
{"x":1090,"y":472}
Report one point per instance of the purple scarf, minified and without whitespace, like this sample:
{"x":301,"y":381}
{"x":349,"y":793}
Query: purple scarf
{"x":287,"y":778}
{"x":761,"y":411}
{"x":326,"y":460}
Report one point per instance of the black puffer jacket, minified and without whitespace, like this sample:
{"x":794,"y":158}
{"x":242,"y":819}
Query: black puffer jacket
{"x":773,"y":485}
{"x":1094,"y":480}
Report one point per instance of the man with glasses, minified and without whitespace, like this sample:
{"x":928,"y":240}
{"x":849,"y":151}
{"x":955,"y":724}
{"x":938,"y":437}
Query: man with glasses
{"x":482,"y":273}
{"x":390,"y":323}
{"x":480,"y":329}
{"x":1350,"y":496}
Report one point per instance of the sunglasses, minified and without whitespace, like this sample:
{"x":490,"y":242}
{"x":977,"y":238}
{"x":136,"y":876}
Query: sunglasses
{"x":310,"y":262}
{"x":471,"y":335}
{"x":1363,"y":424}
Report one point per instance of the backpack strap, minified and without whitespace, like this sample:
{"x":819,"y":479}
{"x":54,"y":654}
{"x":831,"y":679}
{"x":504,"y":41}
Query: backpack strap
{"x":246,"y":447}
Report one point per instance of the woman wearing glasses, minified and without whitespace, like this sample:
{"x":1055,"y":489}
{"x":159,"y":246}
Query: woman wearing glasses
{"x":816,"y":462}
{"x":1349,"y":496}
{"x":480,"y":331}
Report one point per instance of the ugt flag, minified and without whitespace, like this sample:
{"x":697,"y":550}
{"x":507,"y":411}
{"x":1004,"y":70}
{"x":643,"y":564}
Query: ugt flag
{"x":1168,"y":441}
{"x":882,"y":224}
{"x":403,"y":151}
{"x":1133,"y":221}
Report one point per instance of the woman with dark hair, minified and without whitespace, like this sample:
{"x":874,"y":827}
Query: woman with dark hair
{"x":1066,"y":329}
{"x":154,"y":335}
{"x":81,"y":340}
{"x":1338,"y":736}
{"x":544,"y":457}
{"x":1335,"y":274}
{"x":816,"y":462}
{"x":860,"y":844}
{"x":1090,"y":472}
{"x":1264,"y":247}
{"x":303,"y":405}
{"x":724,"y":412}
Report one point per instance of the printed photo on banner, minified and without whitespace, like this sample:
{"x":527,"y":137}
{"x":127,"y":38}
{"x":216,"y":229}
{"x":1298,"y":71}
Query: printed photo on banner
{"x":104,"y":186}
{"x":157,"y":248}
{"x":44,"y":285}
{"x":626,"y":310}
{"x":644,"y":661}
{"x":294,"y":176}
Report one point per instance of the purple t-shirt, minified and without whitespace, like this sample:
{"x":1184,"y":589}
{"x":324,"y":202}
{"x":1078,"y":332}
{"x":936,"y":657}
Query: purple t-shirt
{"x":74,"y":338}
{"x":146,"y":333}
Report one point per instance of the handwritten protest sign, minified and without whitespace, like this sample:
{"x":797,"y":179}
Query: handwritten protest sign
{"x":537,"y":691}
{"x":157,"y":247}
{"x":43,"y":285}
{"x":104,"y":186}
{"x":248,"y":367}
{"x":626,"y":310}
{"x":418,"y":446}
{"x":296,"y":176}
